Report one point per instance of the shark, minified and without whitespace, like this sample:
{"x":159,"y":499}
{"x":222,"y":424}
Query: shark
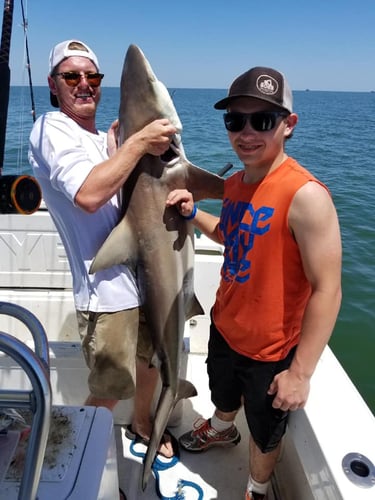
{"x":155,"y":241}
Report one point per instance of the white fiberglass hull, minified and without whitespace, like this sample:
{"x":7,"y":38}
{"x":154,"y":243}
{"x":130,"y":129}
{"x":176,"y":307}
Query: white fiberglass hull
{"x":329,"y":450}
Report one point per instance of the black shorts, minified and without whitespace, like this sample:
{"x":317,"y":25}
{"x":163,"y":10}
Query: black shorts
{"x":234,"y":378}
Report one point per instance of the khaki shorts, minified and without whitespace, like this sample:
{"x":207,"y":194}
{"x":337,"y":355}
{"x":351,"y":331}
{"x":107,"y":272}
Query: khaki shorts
{"x":110,"y":344}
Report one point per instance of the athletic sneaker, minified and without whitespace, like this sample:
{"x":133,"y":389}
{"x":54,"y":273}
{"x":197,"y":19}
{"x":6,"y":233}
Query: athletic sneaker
{"x":203,"y":436}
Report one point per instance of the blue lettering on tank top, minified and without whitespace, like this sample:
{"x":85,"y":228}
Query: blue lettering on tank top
{"x":240,"y":235}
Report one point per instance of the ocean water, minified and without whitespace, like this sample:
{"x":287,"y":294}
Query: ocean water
{"x":334,"y":139}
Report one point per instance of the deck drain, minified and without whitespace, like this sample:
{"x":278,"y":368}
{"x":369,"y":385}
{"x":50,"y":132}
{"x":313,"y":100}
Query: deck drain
{"x":359,"y":470}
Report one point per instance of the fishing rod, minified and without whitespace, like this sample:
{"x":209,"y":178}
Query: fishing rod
{"x":25,"y":26}
{"x":18,"y":193}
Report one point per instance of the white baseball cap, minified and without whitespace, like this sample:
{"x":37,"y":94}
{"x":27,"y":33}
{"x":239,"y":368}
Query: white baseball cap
{"x":68,"y":49}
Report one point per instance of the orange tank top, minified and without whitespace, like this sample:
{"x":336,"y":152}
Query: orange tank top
{"x":263,"y":289}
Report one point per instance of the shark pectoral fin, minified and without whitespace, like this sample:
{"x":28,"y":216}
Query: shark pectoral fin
{"x":193,"y":308}
{"x":118,"y":248}
{"x":204,"y":184}
{"x":185,"y":390}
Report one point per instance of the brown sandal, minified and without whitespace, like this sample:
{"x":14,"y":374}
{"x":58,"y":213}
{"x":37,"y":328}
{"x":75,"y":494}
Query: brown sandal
{"x":133,"y":436}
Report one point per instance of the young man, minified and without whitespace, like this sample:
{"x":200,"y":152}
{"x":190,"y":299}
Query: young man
{"x":280,"y":289}
{"x":81,"y":172}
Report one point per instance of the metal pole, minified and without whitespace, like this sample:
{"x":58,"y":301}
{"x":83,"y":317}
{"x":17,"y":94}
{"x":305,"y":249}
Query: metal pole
{"x":39,"y":401}
{"x":5,"y":74}
{"x":34,"y":326}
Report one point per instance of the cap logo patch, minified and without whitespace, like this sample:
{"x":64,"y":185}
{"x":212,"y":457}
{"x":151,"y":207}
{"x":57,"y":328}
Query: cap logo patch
{"x":267,"y":85}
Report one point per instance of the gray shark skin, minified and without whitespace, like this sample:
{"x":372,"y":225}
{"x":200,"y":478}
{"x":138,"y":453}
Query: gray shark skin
{"x":154,"y":240}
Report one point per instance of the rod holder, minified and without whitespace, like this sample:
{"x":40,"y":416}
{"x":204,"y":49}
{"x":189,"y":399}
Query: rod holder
{"x":359,"y":470}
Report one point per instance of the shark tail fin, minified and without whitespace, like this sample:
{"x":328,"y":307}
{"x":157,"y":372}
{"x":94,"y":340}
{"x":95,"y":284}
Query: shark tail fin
{"x":167,"y":402}
{"x":164,"y":410}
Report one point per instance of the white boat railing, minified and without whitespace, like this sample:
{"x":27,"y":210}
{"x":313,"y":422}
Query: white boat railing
{"x":38,"y":400}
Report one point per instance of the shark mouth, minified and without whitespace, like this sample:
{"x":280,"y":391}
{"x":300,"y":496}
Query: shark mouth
{"x":173,"y":152}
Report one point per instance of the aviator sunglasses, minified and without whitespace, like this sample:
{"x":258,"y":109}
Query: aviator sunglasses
{"x":261,"y":121}
{"x":72,"y":78}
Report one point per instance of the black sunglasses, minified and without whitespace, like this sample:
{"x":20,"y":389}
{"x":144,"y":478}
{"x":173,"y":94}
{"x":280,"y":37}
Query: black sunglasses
{"x":261,"y":121}
{"x":72,"y":78}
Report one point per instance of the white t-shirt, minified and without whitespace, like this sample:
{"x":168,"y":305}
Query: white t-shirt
{"x":62,"y":155}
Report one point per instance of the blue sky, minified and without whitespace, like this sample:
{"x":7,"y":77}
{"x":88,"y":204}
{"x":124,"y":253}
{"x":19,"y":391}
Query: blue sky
{"x":318,"y":44}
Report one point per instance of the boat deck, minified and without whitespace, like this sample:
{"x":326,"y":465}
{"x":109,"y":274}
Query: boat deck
{"x":310,"y":467}
{"x":222,"y":472}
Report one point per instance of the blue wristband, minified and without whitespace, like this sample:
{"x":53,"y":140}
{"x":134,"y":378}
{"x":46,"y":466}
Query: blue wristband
{"x":192,"y":215}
